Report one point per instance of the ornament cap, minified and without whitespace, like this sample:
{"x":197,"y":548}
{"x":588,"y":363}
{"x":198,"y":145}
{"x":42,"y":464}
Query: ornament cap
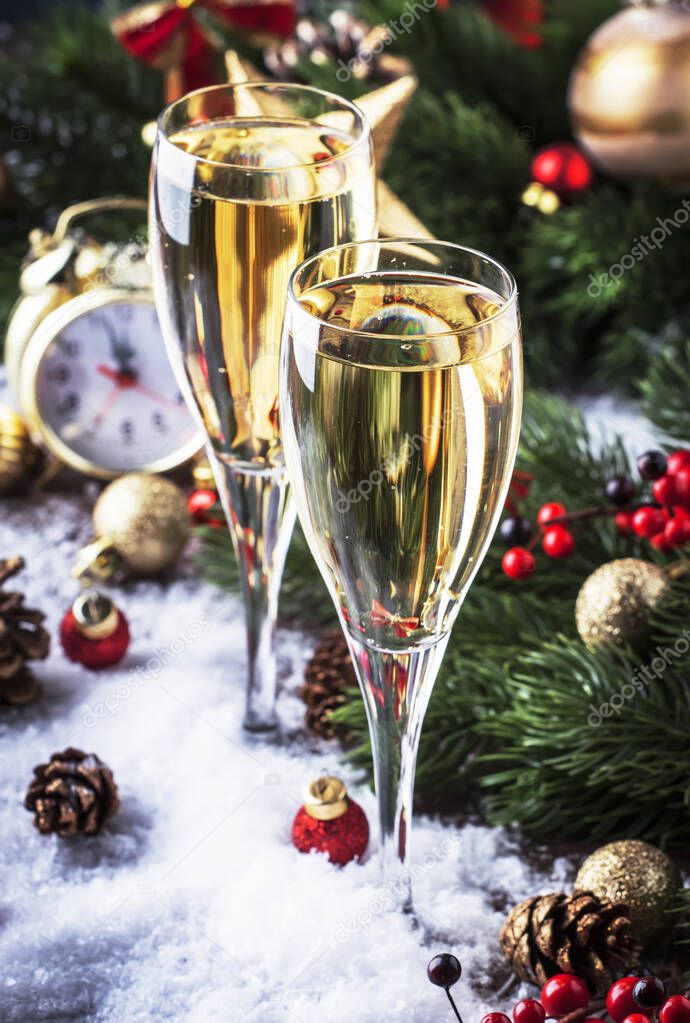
{"x":95,"y":614}
{"x":98,"y":560}
{"x":326,"y":798}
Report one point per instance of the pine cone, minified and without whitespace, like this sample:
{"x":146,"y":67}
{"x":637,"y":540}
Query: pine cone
{"x":327,"y":675}
{"x":74,"y":794}
{"x":579,"y":934}
{"x":342,"y":38}
{"x":22,"y":638}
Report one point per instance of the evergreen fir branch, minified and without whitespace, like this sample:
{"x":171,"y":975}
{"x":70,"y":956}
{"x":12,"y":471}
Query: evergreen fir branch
{"x":664,"y":392}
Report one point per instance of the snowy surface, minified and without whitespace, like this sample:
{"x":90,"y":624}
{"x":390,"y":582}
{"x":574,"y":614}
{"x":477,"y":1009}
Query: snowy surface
{"x":192,"y":906}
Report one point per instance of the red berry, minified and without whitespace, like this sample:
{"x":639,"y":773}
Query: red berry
{"x":675,"y":1009}
{"x":619,"y":1000}
{"x":552,"y":510}
{"x":649,"y":993}
{"x":528,"y":1010}
{"x":495,"y":1017}
{"x":648,"y":521}
{"x":623,"y":521}
{"x":682,"y":482}
{"x":677,"y":532}
{"x":518,"y":563}
{"x":676,"y":461}
{"x":564,"y":993}
{"x":679,"y":512}
{"x":665,"y":490}
{"x":636,"y":1017}
{"x":558,"y":542}
{"x":660,"y":543}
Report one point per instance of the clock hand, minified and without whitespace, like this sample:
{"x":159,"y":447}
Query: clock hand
{"x":126,"y":381}
{"x":105,"y":407}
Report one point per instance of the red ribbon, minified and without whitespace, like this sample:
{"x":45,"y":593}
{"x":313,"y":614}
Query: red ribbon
{"x":168,"y":35}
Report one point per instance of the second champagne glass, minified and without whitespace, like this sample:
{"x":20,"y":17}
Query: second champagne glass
{"x":401,"y":391}
{"x":247,"y":181}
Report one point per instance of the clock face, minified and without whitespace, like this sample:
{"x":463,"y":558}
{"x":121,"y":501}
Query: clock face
{"x":105,"y":390}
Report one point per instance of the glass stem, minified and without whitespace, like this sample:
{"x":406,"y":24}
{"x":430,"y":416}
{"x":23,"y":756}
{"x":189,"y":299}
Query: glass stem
{"x":261,"y":516}
{"x":396,"y":687}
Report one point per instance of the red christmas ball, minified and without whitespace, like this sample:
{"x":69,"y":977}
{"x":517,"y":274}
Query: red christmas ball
{"x":552,"y":510}
{"x":330,"y":822}
{"x":199,"y":504}
{"x":619,"y":1000}
{"x":518,"y":563}
{"x":558,"y":542}
{"x":528,"y":1010}
{"x":562,"y":168}
{"x":495,"y":1017}
{"x":564,"y":993}
{"x":675,"y":1009}
{"x":648,"y":521}
{"x":94,"y":632}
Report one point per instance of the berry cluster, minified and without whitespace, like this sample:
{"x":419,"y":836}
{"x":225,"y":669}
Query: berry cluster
{"x":641,"y":999}
{"x":663,"y":516}
{"x":629,"y":1000}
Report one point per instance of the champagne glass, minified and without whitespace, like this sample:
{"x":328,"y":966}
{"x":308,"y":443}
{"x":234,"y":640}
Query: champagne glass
{"x":246,"y":182}
{"x":400,"y":398}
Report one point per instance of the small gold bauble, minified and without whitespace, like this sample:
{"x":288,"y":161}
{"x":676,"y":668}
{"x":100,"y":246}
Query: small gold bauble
{"x":145,"y":518}
{"x":616,"y":603}
{"x":18,"y":455}
{"x":638,"y":875}
{"x":629,"y":94}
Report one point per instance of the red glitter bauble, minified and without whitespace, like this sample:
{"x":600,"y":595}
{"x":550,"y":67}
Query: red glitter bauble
{"x":563,"y":169}
{"x":343,"y":839}
{"x":95,"y":654}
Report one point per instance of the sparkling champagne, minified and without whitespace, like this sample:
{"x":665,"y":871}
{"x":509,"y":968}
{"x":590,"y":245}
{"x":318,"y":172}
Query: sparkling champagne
{"x":400,"y":454}
{"x":297,"y":186}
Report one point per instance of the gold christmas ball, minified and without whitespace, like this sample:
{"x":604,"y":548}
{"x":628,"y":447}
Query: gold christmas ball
{"x":18,"y":455}
{"x":145,"y":518}
{"x":616,"y":602}
{"x":629,"y":94}
{"x":638,"y":875}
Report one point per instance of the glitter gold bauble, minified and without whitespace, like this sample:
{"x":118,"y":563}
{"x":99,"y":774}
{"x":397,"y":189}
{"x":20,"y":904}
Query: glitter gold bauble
{"x":145,"y":519}
{"x":629,"y":94}
{"x":638,"y":875}
{"x":18,"y":455}
{"x":616,"y":603}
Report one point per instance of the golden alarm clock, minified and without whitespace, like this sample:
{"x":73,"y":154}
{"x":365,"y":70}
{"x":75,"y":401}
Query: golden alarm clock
{"x":85,"y":356}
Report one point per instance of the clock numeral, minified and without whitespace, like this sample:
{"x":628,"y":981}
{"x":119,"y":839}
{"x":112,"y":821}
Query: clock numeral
{"x":158,"y":420}
{"x":69,"y":406}
{"x":70,"y":348}
{"x":127,"y":431}
{"x":59,"y":374}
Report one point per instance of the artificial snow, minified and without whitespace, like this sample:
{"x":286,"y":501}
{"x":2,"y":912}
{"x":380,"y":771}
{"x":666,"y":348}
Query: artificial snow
{"x":192,"y":905}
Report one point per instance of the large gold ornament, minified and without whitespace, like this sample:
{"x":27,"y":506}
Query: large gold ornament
{"x":638,"y":875}
{"x":629,"y":94}
{"x":141,"y":524}
{"x":19,"y":457}
{"x":616,"y":603}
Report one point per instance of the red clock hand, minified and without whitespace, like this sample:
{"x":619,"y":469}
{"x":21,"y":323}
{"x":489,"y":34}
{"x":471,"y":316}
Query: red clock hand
{"x":105,"y":408}
{"x":125,"y":381}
